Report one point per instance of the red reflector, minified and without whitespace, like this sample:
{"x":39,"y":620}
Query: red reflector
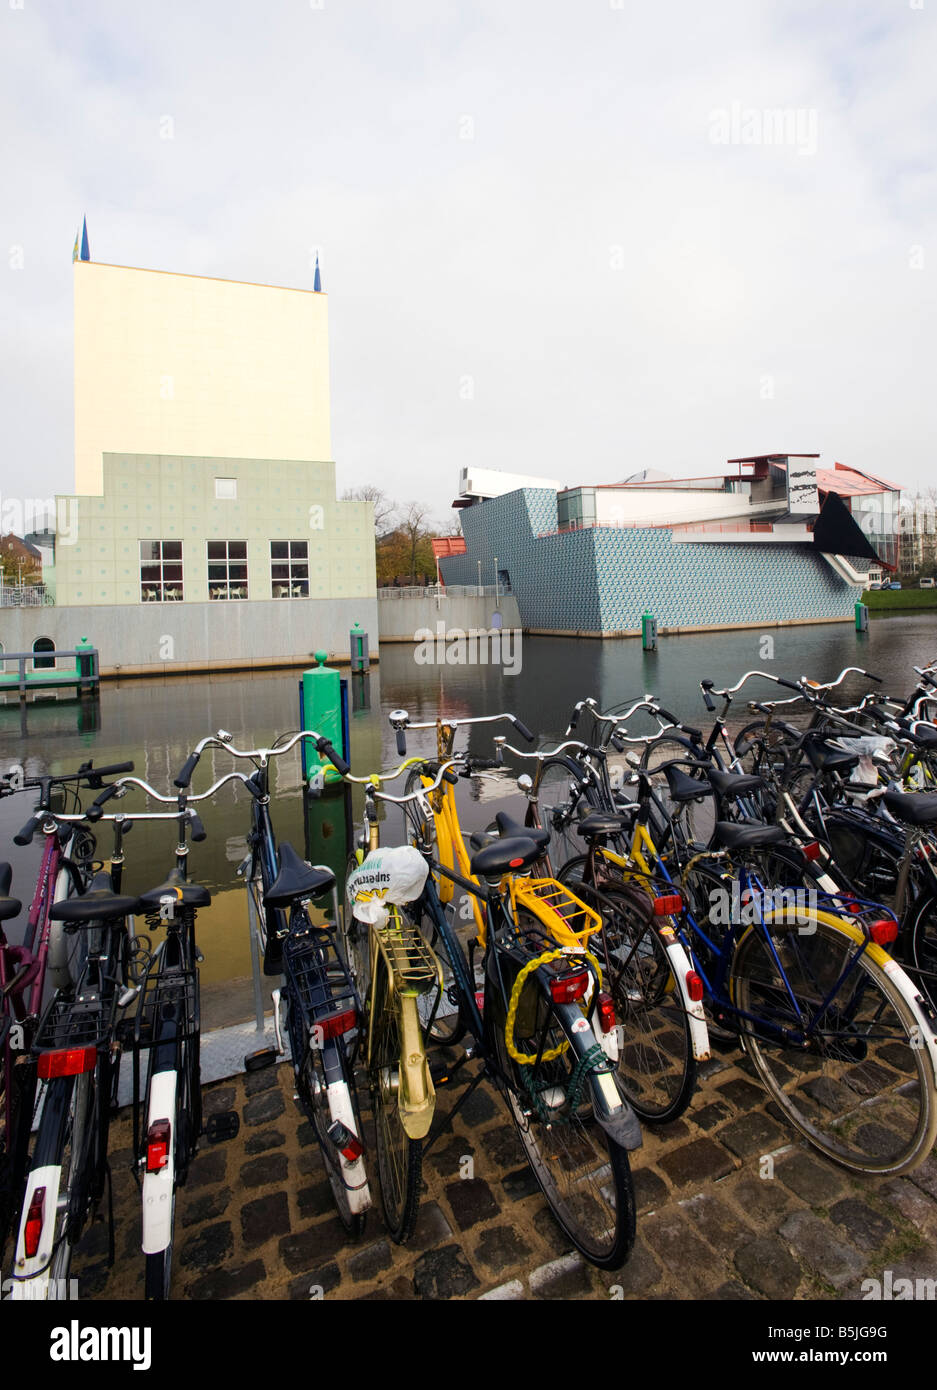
{"x":480,"y":1000}
{"x":157,"y":1146}
{"x":567,"y":988}
{"x":853,"y":907}
{"x":353,"y":1150}
{"x":34,"y":1222}
{"x":515,"y":863}
{"x":883,"y":932}
{"x":334,"y":1024}
{"x":70,"y":1061}
{"x":606,"y":1008}
{"x":694,"y":986}
{"x":812,"y":850}
{"x":347,"y":1143}
{"x":669,"y":904}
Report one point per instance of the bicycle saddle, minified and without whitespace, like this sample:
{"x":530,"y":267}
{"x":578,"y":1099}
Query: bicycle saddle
{"x":176,"y":887}
{"x":827,"y":759}
{"x":749,"y":835}
{"x":685,"y":788}
{"x":597,"y":824}
{"x":9,"y":907}
{"x":296,"y":879}
{"x":510,"y":828}
{"x":733,"y":784}
{"x":99,"y":903}
{"x":914,"y":808}
{"x":497,"y":859}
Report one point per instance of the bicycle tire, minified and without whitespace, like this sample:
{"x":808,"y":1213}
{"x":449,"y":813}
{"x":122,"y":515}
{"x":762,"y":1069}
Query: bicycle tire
{"x":561,"y":789}
{"x":600,"y":1218}
{"x":860,"y":1091}
{"x":919,"y":931}
{"x":399,"y":1158}
{"x":656,"y":1067}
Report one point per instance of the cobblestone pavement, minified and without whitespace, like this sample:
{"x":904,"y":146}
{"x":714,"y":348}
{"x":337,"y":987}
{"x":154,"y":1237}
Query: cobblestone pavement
{"x":256,"y":1218}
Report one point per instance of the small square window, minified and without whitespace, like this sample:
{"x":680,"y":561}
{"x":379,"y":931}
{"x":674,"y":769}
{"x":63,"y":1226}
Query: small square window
{"x":226,"y":489}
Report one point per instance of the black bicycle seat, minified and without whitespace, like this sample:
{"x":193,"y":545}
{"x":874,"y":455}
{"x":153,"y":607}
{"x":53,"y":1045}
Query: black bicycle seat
{"x":9,"y":907}
{"x":497,"y":859}
{"x":512,"y":829}
{"x":748,"y":835}
{"x":598,"y":824}
{"x":733,"y":784}
{"x":914,"y":808}
{"x":175,"y":887}
{"x":685,"y":788}
{"x":99,"y":903}
{"x":296,"y":879}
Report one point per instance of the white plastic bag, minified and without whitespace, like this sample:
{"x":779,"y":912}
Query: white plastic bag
{"x":386,"y":876}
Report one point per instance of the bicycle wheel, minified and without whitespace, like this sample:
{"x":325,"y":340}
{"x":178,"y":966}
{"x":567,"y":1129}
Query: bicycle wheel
{"x":584,"y":1175}
{"x":697,"y":817}
{"x":920,"y":944}
{"x":399,"y":1158}
{"x":447,"y":1026}
{"x":656,"y":1066}
{"x":848,"y":1074}
{"x":562,"y":792}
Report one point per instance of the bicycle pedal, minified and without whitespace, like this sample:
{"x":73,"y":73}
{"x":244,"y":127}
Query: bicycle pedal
{"x":225,"y":1125}
{"x":263,"y":1057}
{"x":439,"y":1070}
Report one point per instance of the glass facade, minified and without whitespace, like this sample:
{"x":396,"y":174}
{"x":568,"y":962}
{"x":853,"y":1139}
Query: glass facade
{"x":227,"y":569}
{"x":877,"y":515}
{"x":161,"y":571}
{"x":289,"y":569}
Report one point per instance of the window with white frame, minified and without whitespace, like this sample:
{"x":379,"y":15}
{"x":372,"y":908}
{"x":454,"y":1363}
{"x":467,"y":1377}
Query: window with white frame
{"x":226,"y":489}
{"x":227,"y":569}
{"x":289,"y":569}
{"x":161,"y":571}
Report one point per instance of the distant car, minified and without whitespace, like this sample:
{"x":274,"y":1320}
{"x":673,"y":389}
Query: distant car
{"x":895,"y":584}
{"x":875,"y":584}
{"x":927,"y":583}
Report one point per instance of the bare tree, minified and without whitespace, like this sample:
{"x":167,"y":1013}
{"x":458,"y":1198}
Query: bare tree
{"x":385,"y":511}
{"x":413,"y":526}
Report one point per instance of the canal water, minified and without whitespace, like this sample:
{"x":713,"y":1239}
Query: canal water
{"x":156,"y":723}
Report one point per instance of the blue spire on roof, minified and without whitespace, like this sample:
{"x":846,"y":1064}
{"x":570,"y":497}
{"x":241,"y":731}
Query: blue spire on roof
{"x":85,"y":252}
{"x":317,"y":282}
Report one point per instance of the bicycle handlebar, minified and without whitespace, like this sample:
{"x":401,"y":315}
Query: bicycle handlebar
{"x":223,"y":740}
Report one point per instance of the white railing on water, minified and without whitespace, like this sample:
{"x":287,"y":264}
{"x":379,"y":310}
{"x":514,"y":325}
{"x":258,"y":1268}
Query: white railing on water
{"x":445,"y":591}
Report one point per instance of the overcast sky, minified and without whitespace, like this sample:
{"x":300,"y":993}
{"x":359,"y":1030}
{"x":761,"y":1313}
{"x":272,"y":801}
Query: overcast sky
{"x":557,"y":237}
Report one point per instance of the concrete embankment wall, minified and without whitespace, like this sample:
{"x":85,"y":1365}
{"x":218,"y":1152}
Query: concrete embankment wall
{"x":174,"y":638}
{"x":400,"y":618}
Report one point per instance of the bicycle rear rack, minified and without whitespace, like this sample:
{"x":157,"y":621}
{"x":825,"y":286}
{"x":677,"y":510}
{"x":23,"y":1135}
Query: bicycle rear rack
{"x":71,"y":1023}
{"x":567,"y":920}
{"x":318,"y":973}
{"x":170,"y":993}
{"x":412,"y":964}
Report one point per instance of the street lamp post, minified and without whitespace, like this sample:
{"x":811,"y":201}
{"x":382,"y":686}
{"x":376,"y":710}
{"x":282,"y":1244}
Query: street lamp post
{"x":479,"y":579}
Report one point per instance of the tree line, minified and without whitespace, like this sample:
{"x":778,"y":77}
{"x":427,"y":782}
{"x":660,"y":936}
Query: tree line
{"x":403,"y":533}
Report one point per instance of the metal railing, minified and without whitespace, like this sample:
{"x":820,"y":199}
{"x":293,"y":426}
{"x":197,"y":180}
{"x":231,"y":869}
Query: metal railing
{"x":446,"y":591}
{"x":25,"y":596}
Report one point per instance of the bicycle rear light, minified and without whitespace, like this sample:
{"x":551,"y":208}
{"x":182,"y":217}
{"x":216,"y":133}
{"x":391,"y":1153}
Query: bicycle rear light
{"x":883,"y":932}
{"x":694,"y":986}
{"x":348,"y":1144}
{"x":67,"y":1061}
{"x":812,"y":850}
{"x":333,"y":1025}
{"x":606,"y":1011}
{"x":157,"y":1146}
{"x":34,"y":1219}
{"x":566,"y":989}
{"x":668,"y":905}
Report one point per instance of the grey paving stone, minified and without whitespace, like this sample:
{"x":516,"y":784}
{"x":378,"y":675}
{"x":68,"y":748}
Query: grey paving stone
{"x":710,"y":1115}
{"x":650,"y":1190}
{"x":216,"y":1099}
{"x":255,"y":1082}
{"x":266,"y":1139}
{"x":762,"y":1199}
{"x":208,"y":1248}
{"x":866,"y":1228}
{"x":743,"y":1094}
{"x":520,"y":1184}
{"x":207,"y":1168}
{"x":511,"y":1291}
{"x":268,"y":1168}
{"x":302,"y":1250}
{"x":260,"y":1110}
{"x":307,"y":1286}
{"x":716,"y":1223}
{"x":316,"y":1200}
{"x":265,"y":1217}
{"x":227,"y":1282}
{"x":560,"y":1279}
{"x":480,"y":1107}
{"x":471,"y":1201}
{"x":205,"y":1207}
{"x":730,"y":1291}
{"x":817,"y":1183}
{"x":769,"y":1267}
{"x":755,"y":1133}
{"x":432,"y":1228}
{"x":443,"y":1273}
{"x":812,"y":1241}
{"x":638,"y":1276}
{"x":367,"y":1263}
{"x":499,"y":1248}
{"x":698,"y":1161}
{"x":669,"y":1235}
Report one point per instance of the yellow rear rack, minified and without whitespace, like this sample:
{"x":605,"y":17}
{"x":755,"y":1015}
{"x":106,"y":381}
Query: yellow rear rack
{"x":565,"y":917}
{"x":411,"y":964}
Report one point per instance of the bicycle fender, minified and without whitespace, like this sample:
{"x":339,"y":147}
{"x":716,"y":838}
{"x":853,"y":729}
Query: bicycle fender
{"x":28,"y":1285}
{"x":158,"y":1187}
{"x":353,"y":1173}
{"x":613,"y":1112}
{"x":696,"y":1015}
{"x":416,"y":1095}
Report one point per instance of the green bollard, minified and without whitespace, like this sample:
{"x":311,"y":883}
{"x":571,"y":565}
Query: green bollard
{"x":862,"y":617}
{"x":648,"y":631}
{"x":322,"y":711}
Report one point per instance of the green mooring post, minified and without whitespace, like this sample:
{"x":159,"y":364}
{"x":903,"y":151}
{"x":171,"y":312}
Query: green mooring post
{"x":358,"y":645}
{"x":648,"y":631}
{"x":322,"y":711}
{"x":862,"y":617}
{"x":84,"y":661}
